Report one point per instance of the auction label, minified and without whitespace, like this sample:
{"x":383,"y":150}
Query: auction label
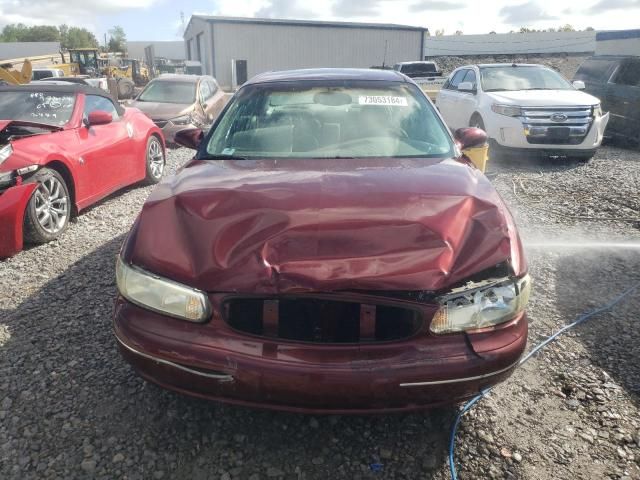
{"x":383,"y":100}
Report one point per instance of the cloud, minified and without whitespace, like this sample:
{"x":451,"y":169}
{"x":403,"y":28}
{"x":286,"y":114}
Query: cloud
{"x":55,"y":12}
{"x":524,"y":14}
{"x":607,"y":5}
{"x":283,"y":9}
{"x":355,"y":8}
{"x":435,"y":5}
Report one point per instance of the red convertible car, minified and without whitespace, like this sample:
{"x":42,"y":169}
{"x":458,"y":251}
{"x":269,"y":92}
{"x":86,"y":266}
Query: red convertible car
{"x":63,"y":148}
{"x":328,"y":249}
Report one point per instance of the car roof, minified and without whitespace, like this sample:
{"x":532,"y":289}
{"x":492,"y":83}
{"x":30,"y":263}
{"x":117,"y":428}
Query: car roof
{"x":417,"y":62}
{"x":316,"y":74}
{"x":492,"y":65}
{"x":50,"y":86}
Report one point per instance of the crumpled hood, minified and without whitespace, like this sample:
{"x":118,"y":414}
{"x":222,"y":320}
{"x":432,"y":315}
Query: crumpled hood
{"x":544,"y":98}
{"x":323,"y":225}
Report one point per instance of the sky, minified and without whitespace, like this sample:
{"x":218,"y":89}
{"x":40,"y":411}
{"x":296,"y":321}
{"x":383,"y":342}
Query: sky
{"x":162,"y":19}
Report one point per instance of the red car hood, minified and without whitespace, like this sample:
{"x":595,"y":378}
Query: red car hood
{"x":323,"y":225}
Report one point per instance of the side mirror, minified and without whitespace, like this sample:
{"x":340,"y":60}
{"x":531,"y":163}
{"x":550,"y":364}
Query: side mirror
{"x":473,"y":143}
{"x":470,"y":137}
{"x":189,"y":138}
{"x":98,"y":117}
{"x":466,"y":87}
{"x":579,"y":85}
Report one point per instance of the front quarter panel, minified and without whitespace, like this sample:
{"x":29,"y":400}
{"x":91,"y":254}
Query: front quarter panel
{"x":13,"y":203}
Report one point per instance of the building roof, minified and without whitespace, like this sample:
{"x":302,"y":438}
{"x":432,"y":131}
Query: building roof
{"x":315,"y":74}
{"x":304,"y":23}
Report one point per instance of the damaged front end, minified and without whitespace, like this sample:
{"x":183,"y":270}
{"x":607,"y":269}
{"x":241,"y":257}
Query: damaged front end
{"x":14,"y":197}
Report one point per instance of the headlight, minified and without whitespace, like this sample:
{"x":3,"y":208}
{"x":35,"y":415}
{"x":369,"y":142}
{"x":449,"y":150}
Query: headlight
{"x":161,"y":295}
{"x":597,"y":110}
{"x":182,"y":120}
{"x":5,"y":152}
{"x":508,"y":110}
{"x":481,"y":307}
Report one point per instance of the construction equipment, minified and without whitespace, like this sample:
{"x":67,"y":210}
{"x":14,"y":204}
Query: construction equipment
{"x":129,"y":73}
{"x":8,"y":74}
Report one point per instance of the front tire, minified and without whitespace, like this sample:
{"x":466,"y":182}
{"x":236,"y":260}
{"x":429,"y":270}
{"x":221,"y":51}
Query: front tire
{"x":477,"y":122}
{"x":155,"y":160}
{"x":49,"y":209}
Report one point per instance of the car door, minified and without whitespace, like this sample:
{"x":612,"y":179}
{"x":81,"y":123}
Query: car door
{"x":216,"y":101}
{"x":106,"y":150}
{"x":623,"y":99}
{"x":448,"y":98}
{"x":466,"y":101}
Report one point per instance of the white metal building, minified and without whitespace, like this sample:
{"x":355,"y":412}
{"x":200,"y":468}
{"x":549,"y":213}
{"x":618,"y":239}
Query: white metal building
{"x":235,"y":49}
{"x":173,"y":50}
{"x":618,"y":42}
{"x":510,"y":44}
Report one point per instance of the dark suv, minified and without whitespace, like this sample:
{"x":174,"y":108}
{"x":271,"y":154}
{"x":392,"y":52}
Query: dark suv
{"x":615,"y":80}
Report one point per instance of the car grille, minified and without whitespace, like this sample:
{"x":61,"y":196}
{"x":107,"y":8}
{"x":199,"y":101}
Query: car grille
{"x":321,"y":320}
{"x":557,"y":125}
{"x":161,"y":123}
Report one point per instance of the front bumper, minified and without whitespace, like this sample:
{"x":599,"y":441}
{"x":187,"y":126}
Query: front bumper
{"x":213,"y":361}
{"x":509,"y":132}
{"x":13,"y":203}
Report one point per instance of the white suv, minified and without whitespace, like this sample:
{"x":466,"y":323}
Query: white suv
{"x":527,"y":108}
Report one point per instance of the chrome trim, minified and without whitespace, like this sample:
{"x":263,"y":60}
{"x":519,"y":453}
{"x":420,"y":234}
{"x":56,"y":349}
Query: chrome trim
{"x":215,"y":376}
{"x":458,"y":380}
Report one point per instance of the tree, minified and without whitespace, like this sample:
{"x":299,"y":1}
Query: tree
{"x":440,"y":33}
{"x":74,"y":37}
{"x":69,"y":37}
{"x":118,"y":40}
{"x":459,"y":32}
{"x":37,"y":33}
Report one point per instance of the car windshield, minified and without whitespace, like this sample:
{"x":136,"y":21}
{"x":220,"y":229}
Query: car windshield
{"x":42,"y":107}
{"x":340,"y":120}
{"x":418,"y":69}
{"x":163,"y":91}
{"x":512,"y":78}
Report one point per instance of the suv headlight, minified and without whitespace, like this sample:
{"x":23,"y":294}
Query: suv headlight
{"x":161,"y":295}
{"x":508,"y":110}
{"x":481,"y":307}
{"x":182,"y":120}
{"x":5,"y":152}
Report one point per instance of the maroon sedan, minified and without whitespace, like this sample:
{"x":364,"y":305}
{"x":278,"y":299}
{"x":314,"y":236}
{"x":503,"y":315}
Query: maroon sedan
{"x":329,"y":249}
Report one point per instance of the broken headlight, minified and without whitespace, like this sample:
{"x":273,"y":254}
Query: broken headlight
{"x":182,"y":120}
{"x":161,"y":295}
{"x":5,"y":152}
{"x":483,"y":306}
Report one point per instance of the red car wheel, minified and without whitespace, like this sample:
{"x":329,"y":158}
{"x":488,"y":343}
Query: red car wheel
{"x":49,"y":209}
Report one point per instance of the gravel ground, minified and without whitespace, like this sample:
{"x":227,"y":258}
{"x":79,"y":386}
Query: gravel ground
{"x":70,"y":408}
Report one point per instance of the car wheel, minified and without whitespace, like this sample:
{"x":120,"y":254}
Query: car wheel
{"x":125,"y":88}
{"x":476,"y":122}
{"x":49,"y":208}
{"x":155,"y":160}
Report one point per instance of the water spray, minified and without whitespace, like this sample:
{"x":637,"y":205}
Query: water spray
{"x":559,"y":245}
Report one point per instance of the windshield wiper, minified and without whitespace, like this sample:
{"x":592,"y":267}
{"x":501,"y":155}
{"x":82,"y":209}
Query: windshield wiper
{"x":222,"y":157}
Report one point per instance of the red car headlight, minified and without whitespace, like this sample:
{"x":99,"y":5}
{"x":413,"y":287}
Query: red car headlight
{"x":161,"y":295}
{"x":5,"y":152}
{"x":480,"y":307}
